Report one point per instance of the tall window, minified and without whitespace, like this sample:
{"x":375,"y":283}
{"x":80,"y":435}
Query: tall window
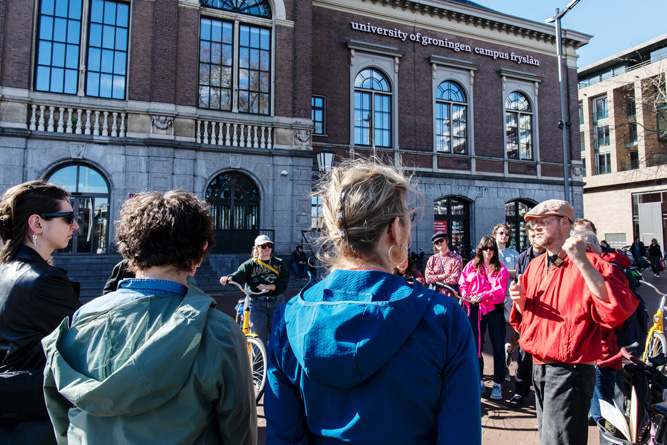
{"x":451,"y":119}
{"x":317,"y":114}
{"x":61,"y":31}
{"x":514,"y":213}
{"x":90,"y":201}
{"x":601,"y":142}
{"x":372,"y":109}
{"x":245,"y":88}
{"x":452,"y":216}
{"x":661,"y":110}
{"x":518,"y":127}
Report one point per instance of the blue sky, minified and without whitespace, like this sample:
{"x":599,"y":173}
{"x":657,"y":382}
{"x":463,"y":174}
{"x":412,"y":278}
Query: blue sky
{"x":615,"y":24}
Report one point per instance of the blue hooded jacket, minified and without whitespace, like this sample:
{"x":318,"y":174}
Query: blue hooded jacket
{"x":365,"y":357}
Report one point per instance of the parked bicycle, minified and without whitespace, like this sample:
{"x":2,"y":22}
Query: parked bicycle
{"x":643,"y":415}
{"x":256,"y":349}
{"x":656,"y":343}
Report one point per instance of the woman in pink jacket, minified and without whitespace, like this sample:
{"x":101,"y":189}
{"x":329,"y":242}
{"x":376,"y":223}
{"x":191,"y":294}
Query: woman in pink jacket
{"x":483,"y":284}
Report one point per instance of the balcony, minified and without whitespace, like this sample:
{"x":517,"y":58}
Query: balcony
{"x":61,"y":114}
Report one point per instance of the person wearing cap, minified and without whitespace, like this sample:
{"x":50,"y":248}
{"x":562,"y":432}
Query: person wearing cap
{"x":262,"y":271}
{"x":445,"y":266}
{"x":561,"y":304}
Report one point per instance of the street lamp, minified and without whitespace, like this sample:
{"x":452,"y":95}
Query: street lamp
{"x":325,"y":160}
{"x":563,"y":125}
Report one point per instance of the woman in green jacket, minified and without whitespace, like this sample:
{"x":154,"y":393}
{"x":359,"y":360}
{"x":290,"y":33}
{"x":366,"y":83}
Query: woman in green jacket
{"x":262,"y":271}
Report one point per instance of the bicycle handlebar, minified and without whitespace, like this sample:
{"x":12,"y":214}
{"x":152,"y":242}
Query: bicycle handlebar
{"x":653,"y":287}
{"x":620,"y":355}
{"x":247,"y":292}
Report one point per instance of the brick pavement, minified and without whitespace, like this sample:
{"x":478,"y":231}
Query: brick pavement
{"x":501,"y":424}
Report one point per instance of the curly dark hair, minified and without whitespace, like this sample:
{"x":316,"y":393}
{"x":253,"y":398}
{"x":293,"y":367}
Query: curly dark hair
{"x":18,"y":204}
{"x":164,"y":230}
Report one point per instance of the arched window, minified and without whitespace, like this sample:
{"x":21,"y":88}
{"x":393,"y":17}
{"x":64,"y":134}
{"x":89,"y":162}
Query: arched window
{"x":90,"y":200}
{"x":235,"y":73}
{"x":234,"y":206}
{"x":514,"y":213}
{"x":452,"y":216}
{"x":518,"y":127}
{"x":372,"y":109}
{"x":451,"y":119}
{"x":258,"y":8}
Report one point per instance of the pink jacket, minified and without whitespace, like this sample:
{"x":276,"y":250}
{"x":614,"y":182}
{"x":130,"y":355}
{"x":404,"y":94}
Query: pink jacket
{"x":492,"y":290}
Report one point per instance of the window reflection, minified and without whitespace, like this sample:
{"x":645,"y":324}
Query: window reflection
{"x":451,"y":119}
{"x":518,"y":127}
{"x":372,"y":109}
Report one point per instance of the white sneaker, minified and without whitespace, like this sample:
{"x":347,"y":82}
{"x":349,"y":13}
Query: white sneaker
{"x":497,"y":392}
{"x":482,"y":388}
{"x":656,"y":275}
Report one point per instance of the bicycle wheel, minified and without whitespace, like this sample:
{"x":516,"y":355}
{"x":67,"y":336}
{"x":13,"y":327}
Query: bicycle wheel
{"x":258,"y":361}
{"x":658,"y":345}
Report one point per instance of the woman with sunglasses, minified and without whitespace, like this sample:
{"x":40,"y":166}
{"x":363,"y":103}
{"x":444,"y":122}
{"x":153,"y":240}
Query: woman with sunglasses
{"x":483,"y":285}
{"x":262,"y":271}
{"x":36,"y":218}
{"x":445,"y":266}
{"x":364,"y":356}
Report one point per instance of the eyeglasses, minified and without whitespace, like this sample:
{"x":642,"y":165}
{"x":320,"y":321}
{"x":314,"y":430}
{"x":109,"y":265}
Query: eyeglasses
{"x":542,"y":222}
{"x":488,"y":248}
{"x":68,"y":216}
{"x":502,"y":233}
{"x":266,"y":246}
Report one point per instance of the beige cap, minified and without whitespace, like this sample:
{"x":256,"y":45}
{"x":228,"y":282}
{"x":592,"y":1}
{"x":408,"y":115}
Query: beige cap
{"x":262,"y":239}
{"x":555,"y":207}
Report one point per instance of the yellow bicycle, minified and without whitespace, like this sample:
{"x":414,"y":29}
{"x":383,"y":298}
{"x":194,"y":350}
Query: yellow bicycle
{"x":656,"y":343}
{"x":256,"y":349}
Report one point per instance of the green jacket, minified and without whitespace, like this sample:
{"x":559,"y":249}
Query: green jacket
{"x":252,"y":274}
{"x":163,"y":368}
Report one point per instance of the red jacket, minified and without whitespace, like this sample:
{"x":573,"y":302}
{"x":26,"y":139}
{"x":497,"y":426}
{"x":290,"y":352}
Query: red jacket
{"x":562,"y":320}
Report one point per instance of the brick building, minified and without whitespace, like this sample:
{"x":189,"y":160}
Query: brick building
{"x":623,"y":134}
{"x":231,"y":99}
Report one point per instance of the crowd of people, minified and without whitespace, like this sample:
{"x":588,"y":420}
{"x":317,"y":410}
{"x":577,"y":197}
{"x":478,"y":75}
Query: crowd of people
{"x":152,"y":360}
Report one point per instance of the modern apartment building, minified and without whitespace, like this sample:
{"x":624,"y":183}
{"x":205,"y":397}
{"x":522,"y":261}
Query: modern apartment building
{"x":623,"y":134}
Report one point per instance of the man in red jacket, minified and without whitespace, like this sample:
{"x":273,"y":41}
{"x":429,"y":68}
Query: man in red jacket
{"x":561,"y":304}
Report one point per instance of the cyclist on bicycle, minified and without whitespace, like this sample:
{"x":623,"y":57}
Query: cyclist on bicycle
{"x":445,"y":266}
{"x":262,"y":271}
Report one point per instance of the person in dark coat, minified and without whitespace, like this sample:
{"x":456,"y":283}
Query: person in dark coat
{"x":299,"y":263}
{"x":35,"y":219}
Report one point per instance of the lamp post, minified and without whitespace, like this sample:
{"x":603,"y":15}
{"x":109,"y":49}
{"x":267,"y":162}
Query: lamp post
{"x":325,"y":160}
{"x":563,"y":125}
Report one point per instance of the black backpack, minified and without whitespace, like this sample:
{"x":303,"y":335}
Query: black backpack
{"x":635,"y":328}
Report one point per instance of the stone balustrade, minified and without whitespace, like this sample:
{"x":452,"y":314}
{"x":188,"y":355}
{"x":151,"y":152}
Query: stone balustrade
{"x":77,"y":120}
{"x":233,"y":134}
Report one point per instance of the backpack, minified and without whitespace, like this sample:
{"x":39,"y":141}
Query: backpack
{"x":635,"y":328}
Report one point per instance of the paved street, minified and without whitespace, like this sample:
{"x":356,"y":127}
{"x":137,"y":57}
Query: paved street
{"x":501,"y":425}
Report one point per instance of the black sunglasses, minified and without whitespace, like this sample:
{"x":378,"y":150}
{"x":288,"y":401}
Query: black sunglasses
{"x":266,"y":246}
{"x":68,"y":216}
{"x":488,"y":248}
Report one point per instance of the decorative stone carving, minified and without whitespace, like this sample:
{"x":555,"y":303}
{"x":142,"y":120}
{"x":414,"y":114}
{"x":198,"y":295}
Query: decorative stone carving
{"x":77,"y":150}
{"x":235,"y":160}
{"x":302,"y":137}
{"x":162,"y":125}
{"x":577,"y":171}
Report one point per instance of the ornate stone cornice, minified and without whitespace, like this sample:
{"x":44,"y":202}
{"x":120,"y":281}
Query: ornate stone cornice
{"x":470,"y":17}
